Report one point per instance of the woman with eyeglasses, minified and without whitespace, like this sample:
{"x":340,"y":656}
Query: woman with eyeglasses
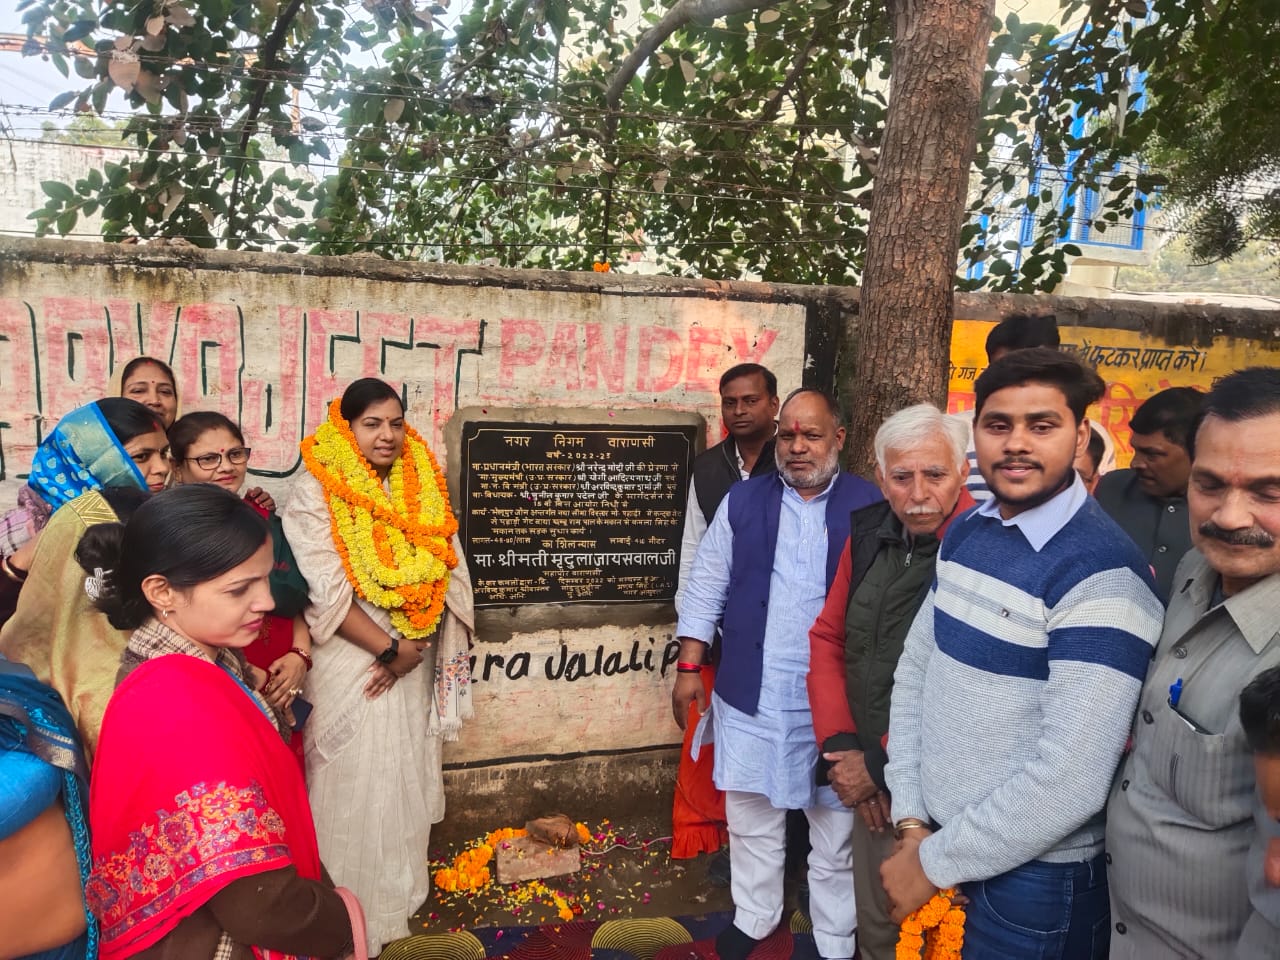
{"x":208,"y":447}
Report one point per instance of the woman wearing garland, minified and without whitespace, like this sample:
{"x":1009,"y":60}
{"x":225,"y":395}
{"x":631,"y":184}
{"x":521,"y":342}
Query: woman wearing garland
{"x":373,"y":534}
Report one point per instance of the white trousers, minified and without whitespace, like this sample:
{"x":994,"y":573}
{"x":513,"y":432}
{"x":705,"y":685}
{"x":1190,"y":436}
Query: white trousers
{"x":757,"y":858}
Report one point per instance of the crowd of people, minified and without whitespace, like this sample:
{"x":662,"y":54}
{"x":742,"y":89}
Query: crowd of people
{"x":998,"y":679}
{"x":1001,"y":676}
{"x":221,"y":728}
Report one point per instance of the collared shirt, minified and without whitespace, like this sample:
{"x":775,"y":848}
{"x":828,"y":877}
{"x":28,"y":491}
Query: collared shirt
{"x":773,"y":752}
{"x":1041,"y":524}
{"x":1180,"y":819}
{"x":1158,"y":525}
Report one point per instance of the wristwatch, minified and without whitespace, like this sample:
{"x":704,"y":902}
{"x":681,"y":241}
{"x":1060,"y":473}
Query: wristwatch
{"x":388,"y":655}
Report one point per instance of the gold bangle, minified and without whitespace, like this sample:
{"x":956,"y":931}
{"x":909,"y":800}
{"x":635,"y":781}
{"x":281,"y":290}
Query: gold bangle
{"x":908,"y":823}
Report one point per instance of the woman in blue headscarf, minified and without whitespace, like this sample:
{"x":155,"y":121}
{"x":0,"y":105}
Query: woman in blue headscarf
{"x":114,"y":442}
{"x":44,"y":837}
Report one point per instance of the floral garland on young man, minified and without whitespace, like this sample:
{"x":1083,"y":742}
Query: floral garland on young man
{"x":396,"y":548}
{"x":938,"y":927}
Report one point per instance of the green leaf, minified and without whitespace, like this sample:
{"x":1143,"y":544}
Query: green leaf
{"x":57,"y":190}
{"x":67,"y":222}
{"x":79,"y":30}
{"x":62,"y":100}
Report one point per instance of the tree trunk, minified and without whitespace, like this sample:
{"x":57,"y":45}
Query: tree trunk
{"x":903,"y":332}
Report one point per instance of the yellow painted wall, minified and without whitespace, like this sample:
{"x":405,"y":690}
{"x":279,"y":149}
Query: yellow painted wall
{"x":1134,"y":365}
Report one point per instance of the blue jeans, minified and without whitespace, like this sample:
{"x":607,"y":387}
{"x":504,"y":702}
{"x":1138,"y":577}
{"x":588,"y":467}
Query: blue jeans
{"x":1040,"y":911}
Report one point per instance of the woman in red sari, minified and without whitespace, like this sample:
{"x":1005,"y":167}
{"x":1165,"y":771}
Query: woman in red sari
{"x":203,"y":844}
{"x":209,"y":448}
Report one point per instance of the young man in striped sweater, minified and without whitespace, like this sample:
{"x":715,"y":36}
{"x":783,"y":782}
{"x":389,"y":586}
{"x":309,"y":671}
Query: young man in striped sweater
{"x":1018,"y":682}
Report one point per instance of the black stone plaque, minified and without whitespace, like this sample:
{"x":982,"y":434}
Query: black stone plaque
{"x":573,"y":513}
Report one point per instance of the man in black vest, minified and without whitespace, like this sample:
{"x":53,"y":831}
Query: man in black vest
{"x":749,"y":410}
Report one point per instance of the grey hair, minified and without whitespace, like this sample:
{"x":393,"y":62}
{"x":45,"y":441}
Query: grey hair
{"x":918,"y":424}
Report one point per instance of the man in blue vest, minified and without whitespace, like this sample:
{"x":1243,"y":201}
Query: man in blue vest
{"x":761,"y":575}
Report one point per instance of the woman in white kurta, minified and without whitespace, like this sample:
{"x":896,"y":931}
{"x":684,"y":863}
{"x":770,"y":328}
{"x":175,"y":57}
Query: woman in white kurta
{"x":390,"y":682}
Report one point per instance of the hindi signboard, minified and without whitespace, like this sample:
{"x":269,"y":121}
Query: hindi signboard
{"x":573,"y":513}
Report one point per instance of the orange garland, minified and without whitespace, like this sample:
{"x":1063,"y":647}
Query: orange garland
{"x":416,"y":606}
{"x":937,"y":927}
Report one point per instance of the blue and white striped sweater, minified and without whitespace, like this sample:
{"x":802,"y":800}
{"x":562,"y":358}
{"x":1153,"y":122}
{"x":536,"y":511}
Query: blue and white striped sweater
{"x":1016,"y":690}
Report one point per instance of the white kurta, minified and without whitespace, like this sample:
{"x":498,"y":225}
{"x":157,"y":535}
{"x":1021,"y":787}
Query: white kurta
{"x":373,"y":766}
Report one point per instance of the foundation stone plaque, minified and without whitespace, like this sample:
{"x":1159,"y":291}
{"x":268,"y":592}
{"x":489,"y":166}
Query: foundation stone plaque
{"x":573,"y":513}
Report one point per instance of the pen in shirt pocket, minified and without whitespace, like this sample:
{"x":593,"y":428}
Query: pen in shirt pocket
{"x":1175,"y":696}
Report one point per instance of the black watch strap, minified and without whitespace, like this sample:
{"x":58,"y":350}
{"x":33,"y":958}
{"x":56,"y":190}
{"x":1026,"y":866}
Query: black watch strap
{"x":389,"y":654}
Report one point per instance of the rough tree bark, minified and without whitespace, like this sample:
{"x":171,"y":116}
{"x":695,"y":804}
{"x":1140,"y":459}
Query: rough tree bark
{"x":903,"y":328}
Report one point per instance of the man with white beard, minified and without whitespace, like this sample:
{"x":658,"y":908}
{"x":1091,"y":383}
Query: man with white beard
{"x":762,"y":574}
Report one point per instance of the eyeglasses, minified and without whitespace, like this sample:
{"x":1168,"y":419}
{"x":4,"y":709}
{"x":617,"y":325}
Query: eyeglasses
{"x":212,"y":461}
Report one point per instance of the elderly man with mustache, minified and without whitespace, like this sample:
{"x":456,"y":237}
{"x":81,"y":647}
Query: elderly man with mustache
{"x":1183,"y":813}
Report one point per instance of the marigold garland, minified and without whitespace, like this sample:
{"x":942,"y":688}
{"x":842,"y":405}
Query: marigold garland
{"x":937,"y":928}
{"x":396,"y":548}
{"x":470,"y":869}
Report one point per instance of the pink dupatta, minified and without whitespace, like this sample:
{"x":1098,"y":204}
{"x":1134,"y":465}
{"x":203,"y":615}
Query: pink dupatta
{"x":192,"y":788}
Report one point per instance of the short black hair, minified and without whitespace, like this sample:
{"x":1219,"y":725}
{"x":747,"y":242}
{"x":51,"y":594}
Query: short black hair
{"x":1260,"y":712}
{"x":128,"y":418}
{"x":829,"y":398}
{"x":1080,"y":384}
{"x":363,"y":394}
{"x":190,"y":427}
{"x":1242,"y":395}
{"x":750,"y":370}
{"x":1097,"y":448}
{"x":1172,"y":412}
{"x":1022,"y":331}
{"x":188,"y":534}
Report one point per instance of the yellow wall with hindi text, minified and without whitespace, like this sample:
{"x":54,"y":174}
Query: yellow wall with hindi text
{"x":1134,"y":365}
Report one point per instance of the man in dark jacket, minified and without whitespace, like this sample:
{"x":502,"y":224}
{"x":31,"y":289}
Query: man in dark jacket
{"x":1149,"y":500}
{"x":884,"y":573}
{"x":749,"y":411}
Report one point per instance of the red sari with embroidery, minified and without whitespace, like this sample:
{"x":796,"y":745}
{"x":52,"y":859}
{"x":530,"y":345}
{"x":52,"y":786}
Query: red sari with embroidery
{"x":192,"y":788}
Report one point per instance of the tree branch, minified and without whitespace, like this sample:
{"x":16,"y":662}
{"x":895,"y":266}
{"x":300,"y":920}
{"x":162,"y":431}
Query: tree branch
{"x":678,"y":16}
{"x":266,"y":63}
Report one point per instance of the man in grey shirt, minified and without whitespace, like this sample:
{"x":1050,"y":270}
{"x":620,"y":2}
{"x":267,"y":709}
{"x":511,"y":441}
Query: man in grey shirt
{"x":1182,"y":815}
{"x":1149,"y":500}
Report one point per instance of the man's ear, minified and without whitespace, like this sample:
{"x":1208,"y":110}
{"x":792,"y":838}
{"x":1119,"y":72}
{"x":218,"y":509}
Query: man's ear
{"x":1084,"y":433}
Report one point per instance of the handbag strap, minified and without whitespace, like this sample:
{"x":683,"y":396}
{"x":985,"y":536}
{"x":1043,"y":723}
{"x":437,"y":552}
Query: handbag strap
{"x":358,"y":931}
